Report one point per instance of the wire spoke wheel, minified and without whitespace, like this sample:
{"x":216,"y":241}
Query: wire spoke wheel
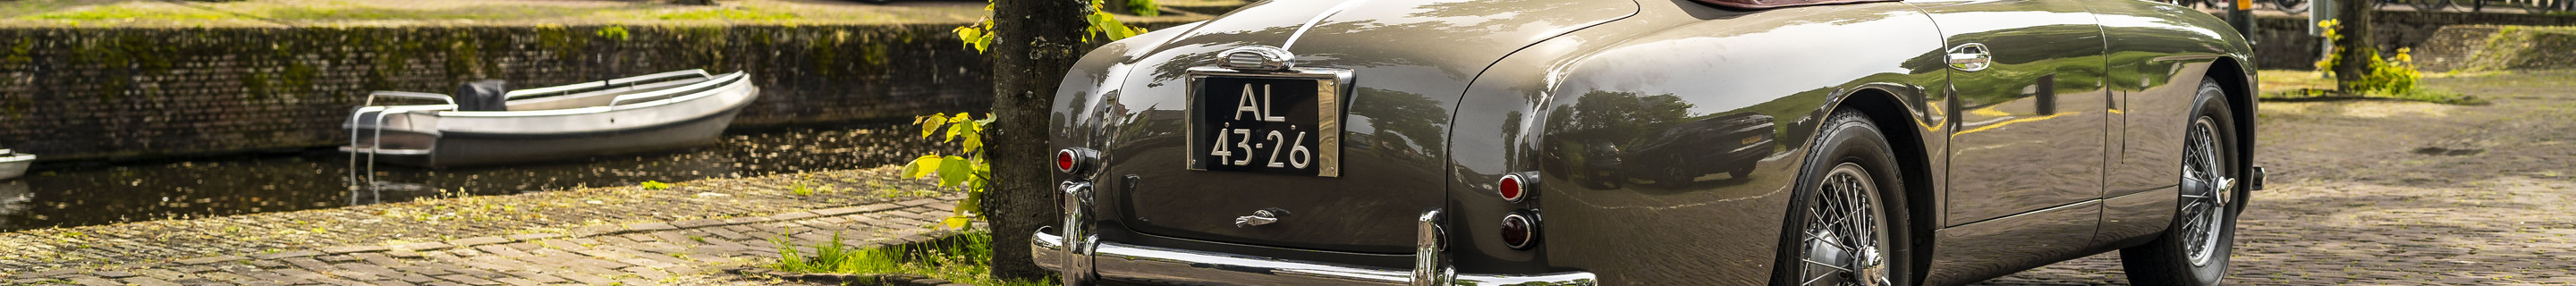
{"x":2203,"y":207}
{"x":1842,"y":236}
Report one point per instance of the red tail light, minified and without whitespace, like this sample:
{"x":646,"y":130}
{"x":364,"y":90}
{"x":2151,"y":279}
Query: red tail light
{"x":1074,"y":160}
{"x":1064,"y":161}
{"x":1519,"y":231}
{"x":1512,"y":187}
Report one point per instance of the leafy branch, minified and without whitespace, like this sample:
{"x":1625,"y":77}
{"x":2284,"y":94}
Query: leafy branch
{"x":966,"y":169}
{"x":1103,"y":24}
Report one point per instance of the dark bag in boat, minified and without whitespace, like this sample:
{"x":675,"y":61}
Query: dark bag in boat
{"x":482,"y":95}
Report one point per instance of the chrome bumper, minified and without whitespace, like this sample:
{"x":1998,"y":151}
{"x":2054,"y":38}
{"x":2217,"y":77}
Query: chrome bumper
{"x":1084,"y":259}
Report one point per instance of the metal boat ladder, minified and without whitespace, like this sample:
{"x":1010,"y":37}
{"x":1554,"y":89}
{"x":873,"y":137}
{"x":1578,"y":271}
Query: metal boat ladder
{"x":363,"y":177}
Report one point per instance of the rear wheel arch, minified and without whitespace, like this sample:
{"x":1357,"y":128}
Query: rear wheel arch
{"x":1905,"y":136}
{"x":2239,"y":85}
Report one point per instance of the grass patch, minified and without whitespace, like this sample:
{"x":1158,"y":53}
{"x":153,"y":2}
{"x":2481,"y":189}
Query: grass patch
{"x":729,"y":14}
{"x":101,"y":13}
{"x":2310,"y":85}
{"x":959,"y":258}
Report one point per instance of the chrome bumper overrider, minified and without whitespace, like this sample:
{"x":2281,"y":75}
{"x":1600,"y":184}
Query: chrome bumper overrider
{"x":1086,"y":259}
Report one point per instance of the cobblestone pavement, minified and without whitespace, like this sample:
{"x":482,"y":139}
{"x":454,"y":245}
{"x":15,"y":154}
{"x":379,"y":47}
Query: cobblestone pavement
{"x":632,"y":254}
{"x":2403,"y":193}
{"x":598,"y":236}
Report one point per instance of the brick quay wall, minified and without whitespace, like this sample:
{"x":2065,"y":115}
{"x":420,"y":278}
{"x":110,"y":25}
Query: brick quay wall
{"x":2282,"y":42}
{"x":139,"y":93}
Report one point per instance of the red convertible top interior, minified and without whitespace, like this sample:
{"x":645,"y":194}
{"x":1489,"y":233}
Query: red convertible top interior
{"x":1768,"y":4}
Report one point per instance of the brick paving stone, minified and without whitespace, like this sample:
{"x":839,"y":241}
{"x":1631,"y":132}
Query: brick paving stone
{"x":640,"y":237}
{"x":208,"y":260}
{"x":424,"y":246}
{"x":310,"y":264}
{"x":534,"y":236}
{"x":270,"y":264}
{"x":515,"y":281}
{"x":481,"y":240}
{"x":530,"y":276}
{"x":353,"y":249}
{"x":469,"y":280}
{"x":163,"y":274}
{"x":402,"y":253}
{"x":336,"y":258}
{"x":654,"y":226}
{"x":288,"y":254}
{"x":793,"y":216}
{"x":502,"y":250}
{"x":93,"y":281}
{"x":695,"y":223}
{"x":382,"y":272}
{"x":675,"y":237}
{"x":646,"y":272}
{"x":200,"y":282}
{"x":422,"y":269}
{"x":525,"y":245}
{"x":113,"y":274}
{"x":148,"y":282}
{"x":632,"y":257}
{"x":379,"y":259}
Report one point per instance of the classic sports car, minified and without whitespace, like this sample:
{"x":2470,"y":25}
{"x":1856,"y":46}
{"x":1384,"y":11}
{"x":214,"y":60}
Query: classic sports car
{"x":1577,"y":142}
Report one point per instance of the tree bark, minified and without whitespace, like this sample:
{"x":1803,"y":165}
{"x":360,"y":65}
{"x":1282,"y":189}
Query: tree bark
{"x":2353,"y":53}
{"x":1034,"y":42}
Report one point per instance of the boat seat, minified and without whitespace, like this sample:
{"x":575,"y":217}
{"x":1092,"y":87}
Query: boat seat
{"x":482,"y":95}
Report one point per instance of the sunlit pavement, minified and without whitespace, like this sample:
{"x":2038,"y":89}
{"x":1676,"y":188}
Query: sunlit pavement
{"x":2403,"y":193}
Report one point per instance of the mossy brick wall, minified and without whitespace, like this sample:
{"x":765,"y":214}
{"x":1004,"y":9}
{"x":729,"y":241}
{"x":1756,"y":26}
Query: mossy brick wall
{"x":120,"y":93}
{"x":2284,"y":43}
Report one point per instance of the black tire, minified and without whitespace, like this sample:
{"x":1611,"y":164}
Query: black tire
{"x":1676,"y":177}
{"x":1851,"y":157}
{"x":2172,"y":258}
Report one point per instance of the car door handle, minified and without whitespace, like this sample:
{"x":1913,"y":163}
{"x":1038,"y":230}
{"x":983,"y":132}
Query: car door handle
{"x":1970,"y":57}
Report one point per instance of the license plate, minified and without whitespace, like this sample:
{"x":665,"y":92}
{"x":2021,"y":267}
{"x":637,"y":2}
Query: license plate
{"x":1285,"y":123}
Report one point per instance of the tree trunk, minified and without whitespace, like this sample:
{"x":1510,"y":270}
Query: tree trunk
{"x":1034,"y":42}
{"x":2355,"y":52}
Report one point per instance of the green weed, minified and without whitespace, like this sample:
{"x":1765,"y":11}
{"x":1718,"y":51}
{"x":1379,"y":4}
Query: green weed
{"x":960,"y":258}
{"x":652,"y":185}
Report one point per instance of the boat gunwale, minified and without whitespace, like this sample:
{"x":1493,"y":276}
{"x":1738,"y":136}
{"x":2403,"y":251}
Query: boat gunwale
{"x":695,"y":91}
{"x":565,"y":89}
{"x":704,"y":89}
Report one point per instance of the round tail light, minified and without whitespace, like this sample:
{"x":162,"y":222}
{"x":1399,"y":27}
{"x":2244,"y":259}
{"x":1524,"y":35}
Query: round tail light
{"x":1512,"y":187}
{"x":1519,"y":231}
{"x":1064,"y":161}
{"x":1073,"y":160}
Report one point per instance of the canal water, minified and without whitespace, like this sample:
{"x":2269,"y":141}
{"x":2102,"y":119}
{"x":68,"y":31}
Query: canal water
{"x":54,"y":196}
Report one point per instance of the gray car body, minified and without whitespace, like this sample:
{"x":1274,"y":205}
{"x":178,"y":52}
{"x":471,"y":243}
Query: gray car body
{"x":2069,"y":145}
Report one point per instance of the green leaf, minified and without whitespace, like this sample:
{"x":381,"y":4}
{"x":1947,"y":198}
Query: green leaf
{"x":923,"y":166}
{"x":930,"y":124}
{"x":954,"y":170}
{"x":969,"y":35}
{"x":956,"y":222}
